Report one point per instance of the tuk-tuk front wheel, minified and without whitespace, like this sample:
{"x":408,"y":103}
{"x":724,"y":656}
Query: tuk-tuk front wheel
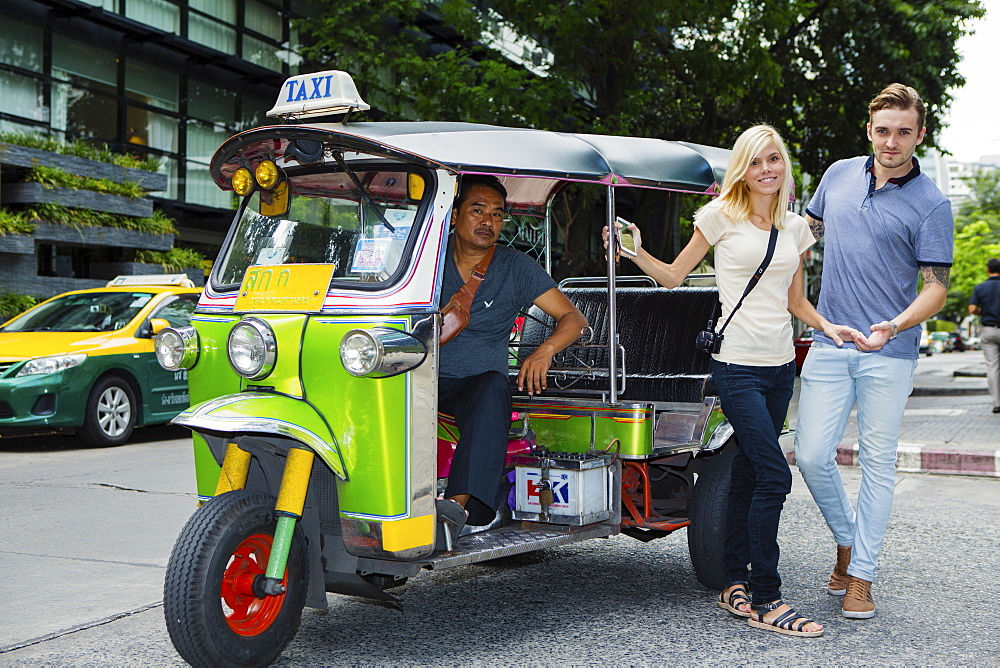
{"x":708,"y":505}
{"x":212,"y":612}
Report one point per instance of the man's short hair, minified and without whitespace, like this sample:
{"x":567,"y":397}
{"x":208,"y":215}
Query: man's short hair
{"x":470,"y":181}
{"x":898,"y":96}
{"x":993,"y":265}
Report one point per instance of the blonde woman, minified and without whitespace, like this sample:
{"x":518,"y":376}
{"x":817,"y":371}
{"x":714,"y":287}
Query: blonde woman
{"x":754,"y":369}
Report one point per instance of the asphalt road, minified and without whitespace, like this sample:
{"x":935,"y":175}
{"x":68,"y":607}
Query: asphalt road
{"x":86,"y":535}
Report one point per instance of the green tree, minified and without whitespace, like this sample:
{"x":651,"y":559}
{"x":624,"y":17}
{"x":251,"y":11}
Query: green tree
{"x":695,"y":71}
{"x":972,"y":250}
{"x":985,"y":200}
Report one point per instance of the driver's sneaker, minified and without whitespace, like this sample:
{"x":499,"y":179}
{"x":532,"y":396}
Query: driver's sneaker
{"x":858,"y":603}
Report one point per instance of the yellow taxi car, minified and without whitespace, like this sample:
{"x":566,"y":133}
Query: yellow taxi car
{"x":83,"y":362}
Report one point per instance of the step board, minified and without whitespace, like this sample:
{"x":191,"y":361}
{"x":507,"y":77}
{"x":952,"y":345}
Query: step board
{"x":516,"y":539}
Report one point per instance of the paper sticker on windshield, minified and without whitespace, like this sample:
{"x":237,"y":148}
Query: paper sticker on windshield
{"x":292,"y":288}
{"x":370,"y":255}
{"x":271,"y":255}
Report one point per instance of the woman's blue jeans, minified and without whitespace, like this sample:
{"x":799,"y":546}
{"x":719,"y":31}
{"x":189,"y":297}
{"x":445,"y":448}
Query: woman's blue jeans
{"x":755,"y":401}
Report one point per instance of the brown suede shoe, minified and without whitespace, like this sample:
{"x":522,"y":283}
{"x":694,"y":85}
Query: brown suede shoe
{"x":839,"y":578}
{"x":858,"y":603}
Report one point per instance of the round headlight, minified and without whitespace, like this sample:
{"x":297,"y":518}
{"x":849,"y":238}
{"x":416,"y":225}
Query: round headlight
{"x":176,"y":348}
{"x":242,"y":181}
{"x":252,"y":348}
{"x":267,"y":175}
{"x":360,"y":353}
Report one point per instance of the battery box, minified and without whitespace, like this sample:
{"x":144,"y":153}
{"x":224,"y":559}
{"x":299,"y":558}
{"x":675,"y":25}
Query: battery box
{"x":563,"y":487}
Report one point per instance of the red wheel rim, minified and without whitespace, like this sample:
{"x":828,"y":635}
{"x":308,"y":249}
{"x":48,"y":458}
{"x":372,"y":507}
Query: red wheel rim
{"x":246,"y":614}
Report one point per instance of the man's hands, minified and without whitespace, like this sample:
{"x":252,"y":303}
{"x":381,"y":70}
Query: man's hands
{"x":881,"y":333}
{"x":533,"y":372}
{"x":842,"y":333}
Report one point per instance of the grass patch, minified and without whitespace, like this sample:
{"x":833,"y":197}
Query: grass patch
{"x":158,"y":223}
{"x":80,"y":150}
{"x":175,"y":259}
{"x":14,"y":222}
{"x":12,"y":304}
{"x":53,"y":177}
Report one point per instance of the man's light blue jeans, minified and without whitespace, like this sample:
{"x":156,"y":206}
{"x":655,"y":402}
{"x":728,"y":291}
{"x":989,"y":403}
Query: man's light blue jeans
{"x":833,"y":380}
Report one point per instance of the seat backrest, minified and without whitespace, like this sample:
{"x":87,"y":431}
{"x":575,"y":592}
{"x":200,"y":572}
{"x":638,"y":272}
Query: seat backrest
{"x":656,"y":326}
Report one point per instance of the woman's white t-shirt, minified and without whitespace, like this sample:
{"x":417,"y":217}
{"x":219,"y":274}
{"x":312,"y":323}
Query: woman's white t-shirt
{"x":760,"y":333}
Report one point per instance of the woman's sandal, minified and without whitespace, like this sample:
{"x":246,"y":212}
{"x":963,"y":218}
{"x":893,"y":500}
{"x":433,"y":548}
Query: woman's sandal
{"x":783,"y":623}
{"x":737,"y":597}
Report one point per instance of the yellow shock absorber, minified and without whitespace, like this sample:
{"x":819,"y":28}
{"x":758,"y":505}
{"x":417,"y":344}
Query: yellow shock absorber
{"x":235,"y":467}
{"x":295,"y":481}
{"x":291,"y":499}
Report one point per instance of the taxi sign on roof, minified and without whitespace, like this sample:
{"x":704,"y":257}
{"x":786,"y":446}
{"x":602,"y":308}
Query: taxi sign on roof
{"x":318,"y":94}
{"x":179,"y":280}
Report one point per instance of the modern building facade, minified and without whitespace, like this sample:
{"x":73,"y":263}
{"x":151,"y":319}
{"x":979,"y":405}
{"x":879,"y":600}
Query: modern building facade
{"x":170,"y":79}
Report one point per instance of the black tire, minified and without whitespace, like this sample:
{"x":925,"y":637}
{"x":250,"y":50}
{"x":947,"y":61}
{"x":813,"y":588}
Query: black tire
{"x":204,"y":632}
{"x":111,"y":412}
{"x":708,"y":517}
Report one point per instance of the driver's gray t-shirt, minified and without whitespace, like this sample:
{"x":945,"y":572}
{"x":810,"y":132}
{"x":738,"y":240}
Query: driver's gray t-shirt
{"x":513,"y":281}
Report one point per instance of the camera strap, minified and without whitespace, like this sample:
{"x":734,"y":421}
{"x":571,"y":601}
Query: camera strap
{"x":771,"y":243}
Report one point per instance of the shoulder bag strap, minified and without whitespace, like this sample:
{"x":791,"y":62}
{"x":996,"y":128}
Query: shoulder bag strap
{"x":771,"y":242}
{"x":478,"y":274}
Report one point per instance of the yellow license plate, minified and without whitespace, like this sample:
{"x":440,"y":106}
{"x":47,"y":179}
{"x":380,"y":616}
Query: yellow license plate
{"x":284,"y":288}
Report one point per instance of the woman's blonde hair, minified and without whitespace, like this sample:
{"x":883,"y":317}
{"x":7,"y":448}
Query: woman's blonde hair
{"x":734,"y":195}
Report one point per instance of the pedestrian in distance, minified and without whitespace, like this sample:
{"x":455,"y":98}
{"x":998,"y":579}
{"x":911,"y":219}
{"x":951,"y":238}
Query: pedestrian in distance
{"x":754,"y":367}
{"x":884,"y":223}
{"x":985,"y":303}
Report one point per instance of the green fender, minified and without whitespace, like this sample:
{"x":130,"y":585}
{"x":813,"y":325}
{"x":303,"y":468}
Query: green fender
{"x":260,"y":412}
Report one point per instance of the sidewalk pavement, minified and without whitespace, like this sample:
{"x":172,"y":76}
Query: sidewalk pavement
{"x":948,"y":427}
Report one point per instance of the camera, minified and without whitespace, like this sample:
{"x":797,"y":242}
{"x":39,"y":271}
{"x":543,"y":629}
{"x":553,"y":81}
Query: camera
{"x":707,"y":341}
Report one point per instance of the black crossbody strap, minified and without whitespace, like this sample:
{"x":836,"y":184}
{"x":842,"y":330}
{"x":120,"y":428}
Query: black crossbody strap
{"x":771,"y":242}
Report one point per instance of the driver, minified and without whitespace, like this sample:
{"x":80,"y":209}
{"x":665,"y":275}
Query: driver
{"x":473,"y":384}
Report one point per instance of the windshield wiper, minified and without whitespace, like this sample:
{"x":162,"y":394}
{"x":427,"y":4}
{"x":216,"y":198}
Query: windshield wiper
{"x":364,"y":193}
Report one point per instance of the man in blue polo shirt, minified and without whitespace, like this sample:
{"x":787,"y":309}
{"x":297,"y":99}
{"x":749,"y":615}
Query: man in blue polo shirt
{"x":985,"y":303}
{"x":884,"y":225}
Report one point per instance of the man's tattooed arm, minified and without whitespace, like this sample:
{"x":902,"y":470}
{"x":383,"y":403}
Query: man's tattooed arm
{"x":940,"y":275}
{"x":816,"y":227}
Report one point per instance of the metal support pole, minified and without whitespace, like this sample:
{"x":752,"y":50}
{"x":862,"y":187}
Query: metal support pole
{"x":612,"y":300}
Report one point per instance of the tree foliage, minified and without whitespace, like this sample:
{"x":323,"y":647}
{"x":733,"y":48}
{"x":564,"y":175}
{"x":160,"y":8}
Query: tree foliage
{"x":694,"y":71}
{"x":977,"y":239}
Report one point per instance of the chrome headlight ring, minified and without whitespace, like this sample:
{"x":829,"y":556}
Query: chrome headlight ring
{"x":252,"y":348}
{"x":176,"y":347}
{"x":380,"y":352}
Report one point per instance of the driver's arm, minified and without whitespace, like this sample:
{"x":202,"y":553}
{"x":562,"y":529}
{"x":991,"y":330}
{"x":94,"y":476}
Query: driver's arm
{"x":569,"y":325}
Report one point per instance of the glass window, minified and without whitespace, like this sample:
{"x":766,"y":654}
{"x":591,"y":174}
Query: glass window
{"x":224,"y":10}
{"x":159,"y":14}
{"x":211,"y":33}
{"x":211,"y":103}
{"x":86,"y":312}
{"x":179,"y":311}
{"x":148,"y":128}
{"x":264,"y":19}
{"x":110,"y":5}
{"x":261,"y":53}
{"x":21,"y":44}
{"x":83,"y":60}
{"x":22,"y":96}
{"x":203,"y":140}
{"x":255,"y":112}
{"x":328,"y":222}
{"x":151,"y":85}
{"x":201,"y":189}
{"x":85,"y":113}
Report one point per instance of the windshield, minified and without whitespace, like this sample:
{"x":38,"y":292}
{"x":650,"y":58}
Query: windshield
{"x":329,"y":221}
{"x":88,"y":312}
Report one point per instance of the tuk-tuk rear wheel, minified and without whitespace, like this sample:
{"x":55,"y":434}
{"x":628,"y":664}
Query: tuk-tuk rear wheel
{"x":708,"y":505}
{"x":212,"y":614}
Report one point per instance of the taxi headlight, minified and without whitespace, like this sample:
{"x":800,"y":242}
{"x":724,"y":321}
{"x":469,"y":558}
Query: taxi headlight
{"x":252,"y":348}
{"x":176,"y":347}
{"x":42,"y":365}
{"x":380,"y":352}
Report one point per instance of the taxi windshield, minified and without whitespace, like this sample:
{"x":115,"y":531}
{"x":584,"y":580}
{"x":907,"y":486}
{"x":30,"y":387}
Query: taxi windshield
{"x":87,"y":312}
{"x":366,"y":234}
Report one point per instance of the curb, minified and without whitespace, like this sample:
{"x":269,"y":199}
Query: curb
{"x":918,"y":458}
{"x":947,"y":391}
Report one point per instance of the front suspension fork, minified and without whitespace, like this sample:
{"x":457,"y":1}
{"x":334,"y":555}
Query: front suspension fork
{"x":291,"y":500}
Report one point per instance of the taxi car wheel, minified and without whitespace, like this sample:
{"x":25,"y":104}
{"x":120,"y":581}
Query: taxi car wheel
{"x":708,"y":517}
{"x":111,"y":413}
{"x":213,"y":614}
